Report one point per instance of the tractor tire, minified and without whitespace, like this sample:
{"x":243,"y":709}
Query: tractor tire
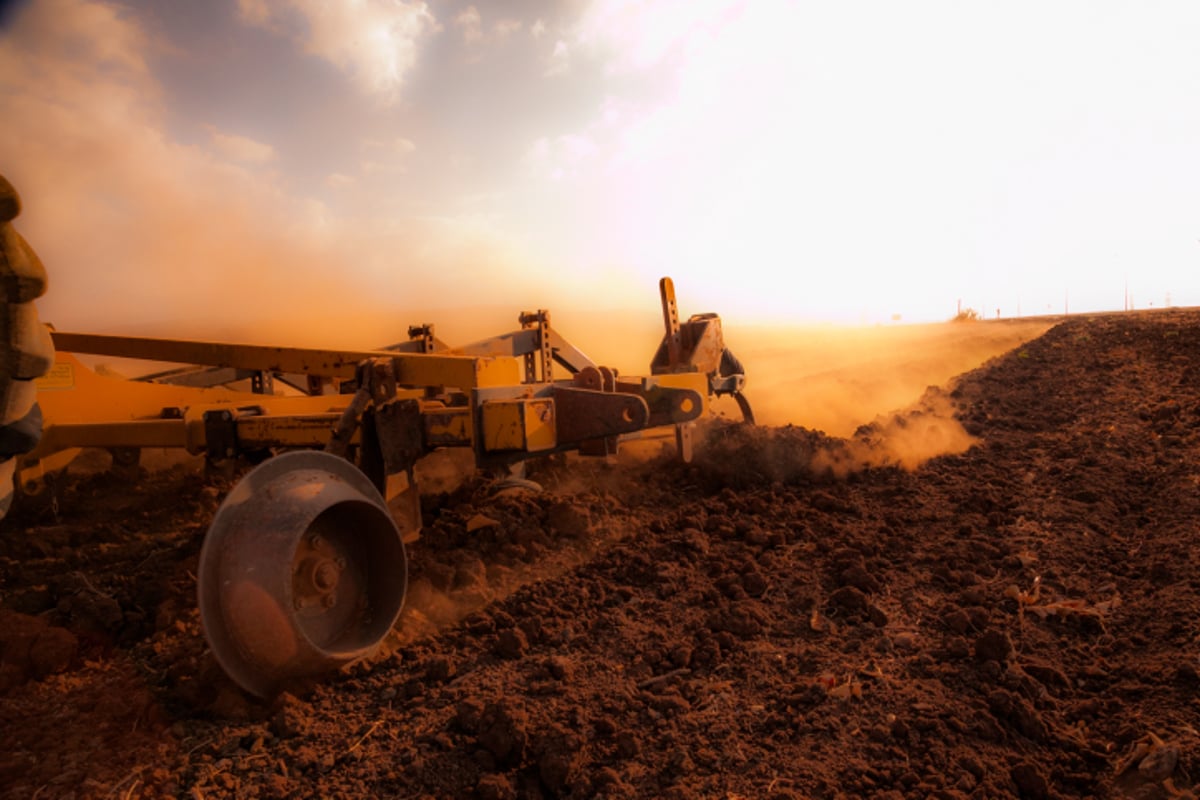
{"x":26,"y":349}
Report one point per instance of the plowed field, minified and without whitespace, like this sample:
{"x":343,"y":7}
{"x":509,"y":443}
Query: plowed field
{"x":790,"y":616}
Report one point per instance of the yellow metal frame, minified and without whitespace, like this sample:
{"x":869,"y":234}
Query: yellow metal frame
{"x":488,"y":406}
{"x":526,"y":425}
{"x":412,"y":369}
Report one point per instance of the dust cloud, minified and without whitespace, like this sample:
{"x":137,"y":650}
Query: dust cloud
{"x":738,"y":455}
{"x":875,"y":389}
{"x":834,"y":379}
{"x":828,"y":378}
{"x":910,"y":437}
{"x":850,"y":399}
{"x":869,"y":393}
{"x":146,"y":235}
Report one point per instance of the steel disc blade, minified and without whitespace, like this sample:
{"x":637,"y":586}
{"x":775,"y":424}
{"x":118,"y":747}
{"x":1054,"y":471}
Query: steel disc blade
{"x":303,"y":570}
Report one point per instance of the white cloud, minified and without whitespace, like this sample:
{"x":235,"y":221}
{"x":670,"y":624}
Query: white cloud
{"x":385,"y":157}
{"x":506,"y":28}
{"x":562,"y":157}
{"x":241,"y":148}
{"x":475,"y":34}
{"x":375,"y":41}
{"x":471,"y":24}
{"x":538,"y":29}
{"x":639,"y":34}
{"x":100,"y":33}
{"x":255,"y":12}
{"x":401,"y":145}
{"x":559,"y":62}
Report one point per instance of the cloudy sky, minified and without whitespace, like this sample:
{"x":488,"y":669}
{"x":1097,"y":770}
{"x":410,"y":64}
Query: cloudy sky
{"x":199,"y":164}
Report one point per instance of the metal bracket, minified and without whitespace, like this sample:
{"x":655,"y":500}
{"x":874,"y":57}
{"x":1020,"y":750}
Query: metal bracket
{"x":220,"y":431}
{"x":672,"y":338}
{"x":585,"y":414}
{"x":541,"y":361}
{"x":423,"y":334}
{"x":262,"y":382}
{"x":400,"y":429}
{"x":220,"y":434}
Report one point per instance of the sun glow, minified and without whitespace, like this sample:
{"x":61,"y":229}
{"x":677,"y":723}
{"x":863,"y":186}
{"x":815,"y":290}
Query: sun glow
{"x":806,"y":162}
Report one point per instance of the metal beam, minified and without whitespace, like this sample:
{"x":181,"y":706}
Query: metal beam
{"x":461,"y":372}
{"x":523,"y":342}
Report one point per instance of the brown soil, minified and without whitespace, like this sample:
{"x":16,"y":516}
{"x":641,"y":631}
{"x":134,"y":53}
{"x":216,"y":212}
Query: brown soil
{"x":1019,"y":620}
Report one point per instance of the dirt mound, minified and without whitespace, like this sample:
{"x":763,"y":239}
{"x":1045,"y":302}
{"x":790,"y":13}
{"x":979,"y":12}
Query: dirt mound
{"x":790,"y":616}
{"x":738,"y":455}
